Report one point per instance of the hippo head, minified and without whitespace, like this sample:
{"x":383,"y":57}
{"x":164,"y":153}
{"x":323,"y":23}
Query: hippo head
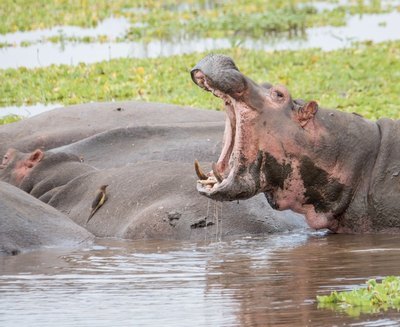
{"x":295,"y":153}
{"x":15,"y":165}
{"x":259,"y":120}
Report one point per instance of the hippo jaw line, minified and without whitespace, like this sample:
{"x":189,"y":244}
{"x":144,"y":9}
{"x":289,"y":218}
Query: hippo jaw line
{"x":234,"y":187}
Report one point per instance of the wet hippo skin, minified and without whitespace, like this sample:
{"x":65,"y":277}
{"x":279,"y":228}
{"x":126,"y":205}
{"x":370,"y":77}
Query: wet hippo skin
{"x":338,"y":169}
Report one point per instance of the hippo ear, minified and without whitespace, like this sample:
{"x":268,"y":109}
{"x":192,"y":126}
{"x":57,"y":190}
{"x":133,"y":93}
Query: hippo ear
{"x":307,"y":112}
{"x":34,"y":158}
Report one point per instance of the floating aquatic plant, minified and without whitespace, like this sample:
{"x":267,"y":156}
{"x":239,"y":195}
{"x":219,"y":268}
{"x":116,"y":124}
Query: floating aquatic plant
{"x":9,"y":119}
{"x":375,"y":297}
{"x":363,"y":79}
{"x":155,"y":19}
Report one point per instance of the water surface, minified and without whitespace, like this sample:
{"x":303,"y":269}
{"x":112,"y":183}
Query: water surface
{"x":111,"y":27}
{"x":370,"y":27}
{"x":266,"y":281}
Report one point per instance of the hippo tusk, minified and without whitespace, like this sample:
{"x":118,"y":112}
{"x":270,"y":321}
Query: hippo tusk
{"x":199,"y":172}
{"x":216,"y":173}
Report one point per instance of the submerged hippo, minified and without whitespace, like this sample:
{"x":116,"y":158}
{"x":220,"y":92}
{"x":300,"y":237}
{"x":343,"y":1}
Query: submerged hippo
{"x":338,"y":169}
{"x":146,"y":163}
{"x":28,"y":224}
{"x":147,"y":200}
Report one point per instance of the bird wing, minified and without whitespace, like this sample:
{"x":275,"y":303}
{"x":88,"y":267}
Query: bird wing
{"x":99,"y":200}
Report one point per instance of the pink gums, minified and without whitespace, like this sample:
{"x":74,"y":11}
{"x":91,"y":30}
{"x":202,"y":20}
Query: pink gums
{"x":228,"y":141}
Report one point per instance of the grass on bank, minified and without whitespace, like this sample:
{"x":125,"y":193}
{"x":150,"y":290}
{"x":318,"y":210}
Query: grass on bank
{"x":364,"y":79}
{"x":9,"y":119}
{"x":171,"y":18}
{"x":376,"y":297}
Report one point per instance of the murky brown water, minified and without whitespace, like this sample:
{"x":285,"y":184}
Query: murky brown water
{"x":269,"y":281}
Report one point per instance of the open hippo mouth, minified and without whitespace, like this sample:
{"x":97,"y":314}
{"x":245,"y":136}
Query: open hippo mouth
{"x":236,"y":175}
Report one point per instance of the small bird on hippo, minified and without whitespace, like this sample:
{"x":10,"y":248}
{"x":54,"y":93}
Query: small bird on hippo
{"x":99,"y":200}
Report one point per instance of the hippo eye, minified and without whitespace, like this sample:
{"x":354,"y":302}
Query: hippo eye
{"x":277,"y":95}
{"x":6,"y":158}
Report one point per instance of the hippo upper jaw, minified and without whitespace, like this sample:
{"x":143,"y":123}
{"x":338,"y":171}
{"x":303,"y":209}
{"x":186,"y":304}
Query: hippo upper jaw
{"x":236,"y":175}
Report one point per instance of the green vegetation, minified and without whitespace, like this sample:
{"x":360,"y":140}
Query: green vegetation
{"x":171,"y":18}
{"x":374,"y":298}
{"x":363,"y":79}
{"x":256,"y":18}
{"x":85,"y":39}
{"x":5,"y":45}
{"x":23,"y":15}
{"x":9,"y":119}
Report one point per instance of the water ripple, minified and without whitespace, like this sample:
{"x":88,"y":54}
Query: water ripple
{"x":245,"y":282}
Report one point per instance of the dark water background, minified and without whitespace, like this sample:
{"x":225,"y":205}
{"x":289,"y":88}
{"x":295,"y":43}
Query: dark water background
{"x":267,"y":281}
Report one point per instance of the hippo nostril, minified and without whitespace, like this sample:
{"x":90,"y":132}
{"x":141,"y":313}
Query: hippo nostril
{"x":198,"y":77}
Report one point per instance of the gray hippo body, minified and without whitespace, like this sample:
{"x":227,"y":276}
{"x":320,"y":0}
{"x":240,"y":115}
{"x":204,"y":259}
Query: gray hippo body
{"x":64,"y":126}
{"x":146,"y":157}
{"x":338,"y":169}
{"x":28,"y":224}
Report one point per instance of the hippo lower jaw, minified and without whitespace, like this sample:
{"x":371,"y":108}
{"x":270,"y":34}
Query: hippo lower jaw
{"x":234,"y":187}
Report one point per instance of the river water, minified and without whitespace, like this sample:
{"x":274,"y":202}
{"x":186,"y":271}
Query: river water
{"x":266,"y":281}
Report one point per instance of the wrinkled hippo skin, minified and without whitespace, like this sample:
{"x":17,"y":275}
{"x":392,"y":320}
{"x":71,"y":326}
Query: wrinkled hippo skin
{"x":146,"y":159}
{"x":65,"y":126}
{"x":27,"y":224}
{"x":338,"y":169}
{"x":156,"y":199}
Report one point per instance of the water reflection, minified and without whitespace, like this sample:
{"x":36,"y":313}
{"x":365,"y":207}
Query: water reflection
{"x":268,"y":281}
{"x":322,"y":6}
{"x":111,"y":27}
{"x":201,"y":5}
{"x":373,"y":27}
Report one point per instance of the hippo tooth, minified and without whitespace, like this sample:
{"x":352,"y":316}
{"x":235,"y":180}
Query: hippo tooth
{"x":216,"y":173}
{"x":198,"y":170}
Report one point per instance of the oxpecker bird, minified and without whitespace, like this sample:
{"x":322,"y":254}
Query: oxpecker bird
{"x":99,"y":200}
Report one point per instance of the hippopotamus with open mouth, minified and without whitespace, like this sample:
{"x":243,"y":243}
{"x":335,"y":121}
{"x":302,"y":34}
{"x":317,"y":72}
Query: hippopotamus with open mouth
{"x":338,"y":169}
